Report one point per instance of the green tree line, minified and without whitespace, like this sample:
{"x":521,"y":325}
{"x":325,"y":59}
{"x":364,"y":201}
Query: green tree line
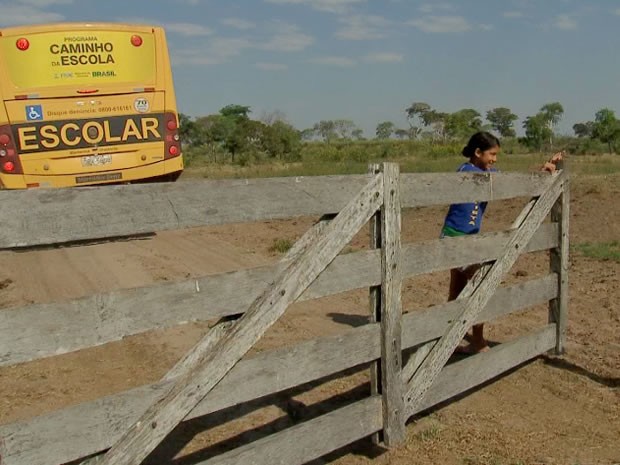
{"x":231,"y":134}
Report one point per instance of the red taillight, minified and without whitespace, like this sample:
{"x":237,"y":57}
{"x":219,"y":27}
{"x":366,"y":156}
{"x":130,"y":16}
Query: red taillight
{"x":22,"y":44}
{"x":171,"y":137}
{"x":8,"y":152}
{"x":136,"y":40}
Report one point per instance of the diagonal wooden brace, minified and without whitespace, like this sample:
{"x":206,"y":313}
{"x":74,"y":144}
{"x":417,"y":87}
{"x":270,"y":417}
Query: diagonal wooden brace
{"x":483,"y":290}
{"x":422,"y":352}
{"x":202,"y":374}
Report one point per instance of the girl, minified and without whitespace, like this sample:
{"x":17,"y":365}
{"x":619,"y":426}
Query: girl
{"x":466,"y":218}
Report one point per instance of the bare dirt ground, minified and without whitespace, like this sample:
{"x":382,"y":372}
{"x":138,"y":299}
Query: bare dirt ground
{"x":554,"y":410}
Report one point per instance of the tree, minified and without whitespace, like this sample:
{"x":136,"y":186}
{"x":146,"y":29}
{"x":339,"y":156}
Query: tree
{"x":417,"y":110}
{"x":462,"y":123}
{"x":236,"y":112}
{"x":606,"y":128}
{"x":344,"y":128}
{"x":385,"y":130}
{"x":216,"y":128}
{"x":190,"y":132}
{"x":358,"y":134}
{"x":269,"y":118}
{"x":437,"y":122}
{"x":551,"y":114}
{"x":281,"y":140}
{"x":583,"y":129}
{"x":502,"y":120}
{"x":536,"y":131}
{"x":404,"y":133}
{"x":308,"y":133}
{"x":326,"y":130}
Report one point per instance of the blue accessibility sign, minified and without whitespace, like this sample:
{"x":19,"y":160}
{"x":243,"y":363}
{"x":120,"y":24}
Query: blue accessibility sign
{"x":34,"y":112}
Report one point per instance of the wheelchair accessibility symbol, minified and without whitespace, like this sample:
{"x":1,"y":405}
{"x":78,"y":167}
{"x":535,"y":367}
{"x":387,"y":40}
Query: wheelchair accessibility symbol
{"x":34,"y":113}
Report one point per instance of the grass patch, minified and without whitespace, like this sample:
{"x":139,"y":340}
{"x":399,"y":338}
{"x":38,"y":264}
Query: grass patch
{"x":600,"y":250}
{"x":428,"y":434}
{"x":355,"y":160}
{"x":281,"y":246}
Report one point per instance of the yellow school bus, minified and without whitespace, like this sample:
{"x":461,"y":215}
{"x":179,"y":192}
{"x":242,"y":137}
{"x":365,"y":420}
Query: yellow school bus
{"x":86,"y":104}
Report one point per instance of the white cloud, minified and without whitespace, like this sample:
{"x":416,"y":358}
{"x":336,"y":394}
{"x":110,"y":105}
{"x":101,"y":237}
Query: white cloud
{"x":189,"y":29}
{"x":617,"y":11}
{"x":217,"y":51}
{"x":16,"y":15}
{"x":512,"y":14}
{"x":238,"y":23}
{"x":272,"y":66}
{"x":193,"y":57}
{"x":565,"y":23}
{"x":384,"y":57}
{"x":360,"y":27}
{"x":43,"y":3}
{"x":287,"y":39}
{"x":441,"y":24}
{"x":428,"y":8}
{"x":330,"y":6}
{"x":341,"y":62}
{"x":229,"y":46}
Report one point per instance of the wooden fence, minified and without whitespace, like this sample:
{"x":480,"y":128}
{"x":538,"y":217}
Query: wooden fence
{"x":124,"y":428}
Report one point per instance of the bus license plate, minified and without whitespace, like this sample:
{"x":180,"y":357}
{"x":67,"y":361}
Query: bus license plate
{"x":96,"y":160}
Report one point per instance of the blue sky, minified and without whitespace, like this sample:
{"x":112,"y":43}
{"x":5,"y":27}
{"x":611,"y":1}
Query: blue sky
{"x":368,"y":60}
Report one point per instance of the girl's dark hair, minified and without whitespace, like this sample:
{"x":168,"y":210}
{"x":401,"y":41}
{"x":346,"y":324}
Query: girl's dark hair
{"x":481,"y":140}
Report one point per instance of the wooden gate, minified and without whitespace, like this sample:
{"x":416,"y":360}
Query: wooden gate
{"x":126,"y":427}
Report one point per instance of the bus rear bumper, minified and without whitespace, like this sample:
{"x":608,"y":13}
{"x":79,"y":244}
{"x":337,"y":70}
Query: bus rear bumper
{"x":154,"y":170}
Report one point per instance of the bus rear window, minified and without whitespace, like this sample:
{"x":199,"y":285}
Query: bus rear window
{"x":52,"y":59}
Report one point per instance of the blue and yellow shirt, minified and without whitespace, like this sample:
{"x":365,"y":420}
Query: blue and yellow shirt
{"x":465,"y":218}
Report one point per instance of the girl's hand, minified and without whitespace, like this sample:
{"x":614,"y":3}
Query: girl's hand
{"x":552,"y":164}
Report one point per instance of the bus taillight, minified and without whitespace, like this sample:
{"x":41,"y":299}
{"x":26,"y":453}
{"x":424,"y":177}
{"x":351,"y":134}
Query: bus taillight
{"x":22,"y":44}
{"x":172,"y":139}
{"x":9,"y":160}
{"x":136,"y":40}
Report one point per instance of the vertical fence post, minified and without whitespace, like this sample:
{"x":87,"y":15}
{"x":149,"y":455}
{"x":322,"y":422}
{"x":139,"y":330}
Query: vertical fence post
{"x":559,"y":262}
{"x":391,"y":309}
{"x":374,"y":299}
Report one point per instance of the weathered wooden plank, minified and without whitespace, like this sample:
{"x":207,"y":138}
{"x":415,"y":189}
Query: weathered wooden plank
{"x":309,"y":440}
{"x":87,"y":213}
{"x":85,"y":429}
{"x":459,"y":377}
{"x":432,"y":365}
{"x":157,"y":422}
{"x":109,"y":211}
{"x":426,"y":325}
{"x":426,"y":189}
{"x":559,"y":264}
{"x":391,"y":308}
{"x":312,"y":439}
{"x":416,"y":360}
{"x":374,"y":298}
{"x":56,"y":328}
